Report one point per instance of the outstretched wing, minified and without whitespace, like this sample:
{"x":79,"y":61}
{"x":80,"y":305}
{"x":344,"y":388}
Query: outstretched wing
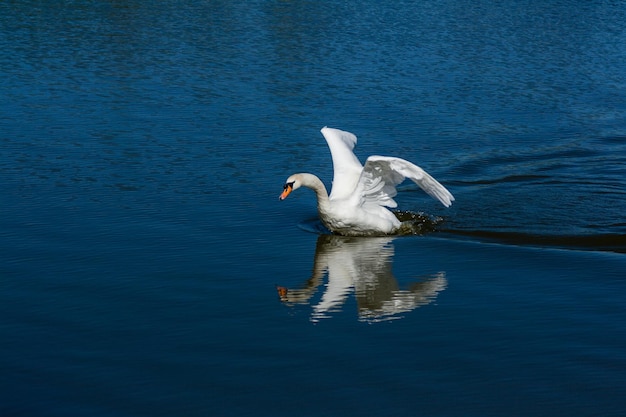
{"x":346,"y":166}
{"x":381,"y":175}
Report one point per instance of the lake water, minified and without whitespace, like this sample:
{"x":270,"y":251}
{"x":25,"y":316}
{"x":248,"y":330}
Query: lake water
{"x":143,"y":247}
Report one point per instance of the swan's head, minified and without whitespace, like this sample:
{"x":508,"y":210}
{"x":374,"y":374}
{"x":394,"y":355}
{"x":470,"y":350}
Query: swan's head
{"x":293,"y":183}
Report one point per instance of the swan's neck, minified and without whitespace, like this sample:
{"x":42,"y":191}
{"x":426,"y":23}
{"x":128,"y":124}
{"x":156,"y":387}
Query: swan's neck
{"x":314,"y":183}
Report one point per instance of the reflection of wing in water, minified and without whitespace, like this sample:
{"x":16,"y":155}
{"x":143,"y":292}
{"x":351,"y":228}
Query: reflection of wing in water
{"x":394,"y":301}
{"x":362,"y":265}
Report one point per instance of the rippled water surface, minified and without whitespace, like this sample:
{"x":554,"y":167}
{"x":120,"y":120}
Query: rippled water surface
{"x":147,"y":267}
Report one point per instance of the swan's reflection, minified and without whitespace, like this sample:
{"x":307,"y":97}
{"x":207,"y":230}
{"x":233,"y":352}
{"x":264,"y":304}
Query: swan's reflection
{"x":362,"y":265}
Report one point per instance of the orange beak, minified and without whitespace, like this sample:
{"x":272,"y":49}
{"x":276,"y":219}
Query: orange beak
{"x":287,"y":189}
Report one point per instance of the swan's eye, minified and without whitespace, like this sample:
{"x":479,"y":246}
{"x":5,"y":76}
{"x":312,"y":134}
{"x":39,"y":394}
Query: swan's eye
{"x":288,"y":185}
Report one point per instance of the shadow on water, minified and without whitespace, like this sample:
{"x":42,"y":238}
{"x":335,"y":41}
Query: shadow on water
{"x":363,"y":266}
{"x":600,"y":242}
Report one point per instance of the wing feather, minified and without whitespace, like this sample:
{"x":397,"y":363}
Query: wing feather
{"x":346,"y":166}
{"x":381,"y":175}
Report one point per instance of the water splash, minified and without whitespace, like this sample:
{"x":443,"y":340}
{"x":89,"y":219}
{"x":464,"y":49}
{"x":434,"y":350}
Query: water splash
{"x":417,"y":223}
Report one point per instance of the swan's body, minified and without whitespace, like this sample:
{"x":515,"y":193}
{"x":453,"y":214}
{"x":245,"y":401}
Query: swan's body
{"x":360,"y":197}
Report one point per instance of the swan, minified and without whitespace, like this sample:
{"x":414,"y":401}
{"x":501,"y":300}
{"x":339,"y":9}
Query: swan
{"x":361,"y":195}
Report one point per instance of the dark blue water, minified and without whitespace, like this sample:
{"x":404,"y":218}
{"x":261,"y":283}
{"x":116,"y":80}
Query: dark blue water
{"x":143,"y":148}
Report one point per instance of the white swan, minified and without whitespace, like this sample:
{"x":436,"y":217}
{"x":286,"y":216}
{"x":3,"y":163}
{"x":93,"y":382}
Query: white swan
{"x":360,"y":195}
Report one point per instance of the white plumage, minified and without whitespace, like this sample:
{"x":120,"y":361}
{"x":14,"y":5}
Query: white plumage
{"x":361,"y":195}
